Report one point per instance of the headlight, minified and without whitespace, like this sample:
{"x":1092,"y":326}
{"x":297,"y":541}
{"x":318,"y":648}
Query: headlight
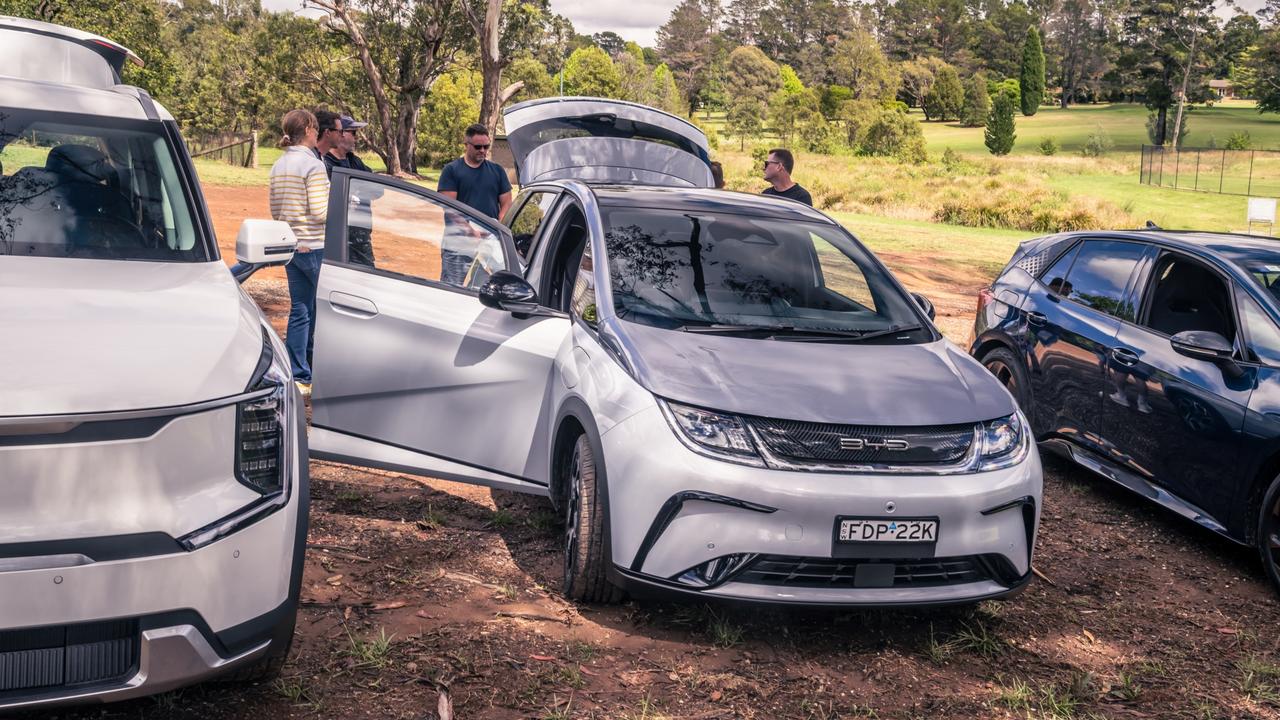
{"x":261,"y":423}
{"x":1004,"y":442}
{"x":717,"y":435}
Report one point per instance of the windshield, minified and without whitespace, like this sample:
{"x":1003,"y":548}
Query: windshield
{"x":91,"y":188}
{"x":684,"y":270}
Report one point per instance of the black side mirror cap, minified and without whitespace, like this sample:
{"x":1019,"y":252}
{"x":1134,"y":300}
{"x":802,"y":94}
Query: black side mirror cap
{"x":925,"y":304}
{"x":1208,"y":346}
{"x":507,"y":291}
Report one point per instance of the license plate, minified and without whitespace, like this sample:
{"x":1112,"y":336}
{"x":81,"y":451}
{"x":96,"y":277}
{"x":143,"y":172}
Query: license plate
{"x":894,"y":531}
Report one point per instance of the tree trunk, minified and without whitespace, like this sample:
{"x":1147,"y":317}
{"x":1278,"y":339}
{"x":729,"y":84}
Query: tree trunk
{"x":406,"y":137}
{"x":1162,"y":116}
{"x":1182,"y":97}
{"x":491,"y":64}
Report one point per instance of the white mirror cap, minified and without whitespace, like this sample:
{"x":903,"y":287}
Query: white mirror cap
{"x":265,"y":241}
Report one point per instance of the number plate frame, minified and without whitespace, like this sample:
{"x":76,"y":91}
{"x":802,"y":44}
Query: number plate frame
{"x":886,"y":540}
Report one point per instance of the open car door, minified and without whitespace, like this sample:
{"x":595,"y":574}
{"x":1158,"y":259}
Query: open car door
{"x":410,"y":372}
{"x":605,"y":141}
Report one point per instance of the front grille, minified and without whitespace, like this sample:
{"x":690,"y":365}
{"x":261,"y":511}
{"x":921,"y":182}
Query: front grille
{"x":42,"y":659}
{"x":788,"y":571}
{"x":808,"y":442}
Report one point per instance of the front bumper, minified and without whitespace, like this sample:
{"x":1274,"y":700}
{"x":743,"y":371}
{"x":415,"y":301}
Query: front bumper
{"x":724,"y":510}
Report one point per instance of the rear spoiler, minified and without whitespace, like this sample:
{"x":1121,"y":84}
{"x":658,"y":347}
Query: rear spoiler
{"x":113,"y":52}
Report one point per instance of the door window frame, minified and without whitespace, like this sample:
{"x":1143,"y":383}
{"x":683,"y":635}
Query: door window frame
{"x":1126,"y":296}
{"x":526,"y":197}
{"x":335,"y":229}
{"x":1144,"y":286}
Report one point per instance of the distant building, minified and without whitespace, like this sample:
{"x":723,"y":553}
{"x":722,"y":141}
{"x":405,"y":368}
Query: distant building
{"x":1224,"y":89}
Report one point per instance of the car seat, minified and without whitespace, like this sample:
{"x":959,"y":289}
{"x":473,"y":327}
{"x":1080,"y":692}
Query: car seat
{"x":89,"y":186}
{"x":1190,"y":298}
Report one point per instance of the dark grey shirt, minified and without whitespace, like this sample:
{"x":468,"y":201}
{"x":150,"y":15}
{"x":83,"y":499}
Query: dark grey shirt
{"x":795,"y":192}
{"x":477,"y":187}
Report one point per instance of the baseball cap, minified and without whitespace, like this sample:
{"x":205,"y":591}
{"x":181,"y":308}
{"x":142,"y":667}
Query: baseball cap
{"x":349,"y":124}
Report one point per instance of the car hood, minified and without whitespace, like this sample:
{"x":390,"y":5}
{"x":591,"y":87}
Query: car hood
{"x":91,"y":336}
{"x":841,"y":383}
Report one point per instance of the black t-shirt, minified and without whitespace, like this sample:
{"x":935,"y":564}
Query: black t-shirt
{"x":477,"y":187}
{"x":351,"y":161}
{"x":795,"y":192}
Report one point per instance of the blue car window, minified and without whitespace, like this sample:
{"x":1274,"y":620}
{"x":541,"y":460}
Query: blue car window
{"x":1056,"y":276}
{"x":1264,"y":337}
{"x":1100,"y":275}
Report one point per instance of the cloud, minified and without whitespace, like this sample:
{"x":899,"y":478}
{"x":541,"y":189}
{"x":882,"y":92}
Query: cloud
{"x":636,"y":20}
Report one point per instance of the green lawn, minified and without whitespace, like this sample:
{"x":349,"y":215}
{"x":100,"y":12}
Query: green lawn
{"x":982,"y":251}
{"x":1125,"y":124}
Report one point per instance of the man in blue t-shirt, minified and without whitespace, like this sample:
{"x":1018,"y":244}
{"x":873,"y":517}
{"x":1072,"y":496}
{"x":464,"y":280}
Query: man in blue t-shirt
{"x":473,"y":180}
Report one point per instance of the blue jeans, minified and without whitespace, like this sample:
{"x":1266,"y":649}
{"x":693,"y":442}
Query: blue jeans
{"x":303,"y":273}
{"x":454,"y":266}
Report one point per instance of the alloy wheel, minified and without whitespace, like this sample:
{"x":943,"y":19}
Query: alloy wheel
{"x":572,"y":515}
{"x":1004,"y":374}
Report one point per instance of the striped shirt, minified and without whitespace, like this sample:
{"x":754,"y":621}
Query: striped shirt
{"x":300,"y":195}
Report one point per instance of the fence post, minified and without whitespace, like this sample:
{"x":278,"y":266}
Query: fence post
{"x":1177,"y":163}
{"x":1222,"y":169}
{"x":253,"y":151}
{"x":1196,"y":184}
{"x":1250,"y":190}
{"x":1160,"y":182}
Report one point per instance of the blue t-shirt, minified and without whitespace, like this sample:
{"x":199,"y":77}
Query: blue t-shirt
{"x":477,"y":187}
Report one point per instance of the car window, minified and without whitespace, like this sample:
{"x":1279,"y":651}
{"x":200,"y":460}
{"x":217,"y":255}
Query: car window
{"x":1264,"y":337}
{"x":529,"y":219}
{"x":674,"y":269}
{"x":1185,"y":295}
{"x":415,"y":236}
{"x":583,"y":302}
{"x":1056,"y":276}
{"x":102,"y":188}
{"x":1100,"y":275}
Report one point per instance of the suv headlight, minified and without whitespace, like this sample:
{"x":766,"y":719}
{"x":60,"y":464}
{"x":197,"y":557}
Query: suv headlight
{"x":1004,"y":442}
{"x":721,"y":436}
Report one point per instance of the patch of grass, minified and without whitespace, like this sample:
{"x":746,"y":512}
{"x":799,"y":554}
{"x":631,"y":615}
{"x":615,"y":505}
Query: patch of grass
{"x":1017,"y":695}
{"x":372,"y":653}
{"x":570,"y":675}
{"x":724,"y":633}
{"x":431,"y":518}
{"x":508,"y":592}
{"x":542,"y":521}
{"x":502,"y":518}
{"x":1126,"y":688}
{"x":556,"y":712}
{"x":978,"y":639}
{"x":295,"y":690}
{"x":1259,"y":679}
{"x":580,"y":652}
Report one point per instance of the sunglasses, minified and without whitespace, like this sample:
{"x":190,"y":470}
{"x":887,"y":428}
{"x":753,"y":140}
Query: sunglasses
{"x":479,"y":147}
{"x":767,"y":163}
{"x":352,"y":133}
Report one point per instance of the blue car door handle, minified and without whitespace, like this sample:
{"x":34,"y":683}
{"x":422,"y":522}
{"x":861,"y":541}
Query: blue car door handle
{"x":353,"y":305}
{"x":1124,"y":356}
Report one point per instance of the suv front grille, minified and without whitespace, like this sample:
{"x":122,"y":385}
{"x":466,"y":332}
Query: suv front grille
{"x":809,"y":572}
{"x":41,"y":659}
{"x":807,"y":442}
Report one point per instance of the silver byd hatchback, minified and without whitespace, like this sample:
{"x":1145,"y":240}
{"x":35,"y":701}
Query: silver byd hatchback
{"x":726,"y":394}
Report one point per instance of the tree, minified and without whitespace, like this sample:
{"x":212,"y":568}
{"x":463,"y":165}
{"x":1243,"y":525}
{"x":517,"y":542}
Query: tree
{"x":750,"y":80}
{"x":789,"y":111}
{"x":535,"y":81}
{"x":999,"y":35}
{"x":589,"y":71}
{"x":686,"y":44}
{"x":744,"y":20}
{"x":999,"y":135}
{"x":610,"y":42}
{"x":401,"y":48}
{"x":1161,"y":40}
{"x":453,"y":104}
{"x":634,"y":78}
{"x":503,"y":29}
{"x":858,"y":64}
{"x":664,"y":93}
{"x":1259,"y":71}
{"x":977,"y":101}
{"x":1031,"y":78}
{"x":946,"y":97}
{"x":917,"y":79}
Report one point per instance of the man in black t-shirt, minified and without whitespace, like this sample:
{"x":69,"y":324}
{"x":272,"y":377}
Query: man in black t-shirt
{"x":473,"y":180}
{"x":777,"y":170}
{"x":343,"y":154}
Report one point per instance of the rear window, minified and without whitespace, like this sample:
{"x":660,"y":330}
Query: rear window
{"x":99,"y":188}
{"x":33,"y":56}
{"x":1098,"y":276}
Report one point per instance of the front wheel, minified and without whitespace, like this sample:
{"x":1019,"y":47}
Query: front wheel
{"x":1269,"y":532}
{"x":1002,"y":363}
{"x":586,"y":527}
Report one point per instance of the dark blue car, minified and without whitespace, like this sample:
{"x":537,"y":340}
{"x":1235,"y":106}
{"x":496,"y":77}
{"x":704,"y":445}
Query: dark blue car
{"x":1153,"y":359}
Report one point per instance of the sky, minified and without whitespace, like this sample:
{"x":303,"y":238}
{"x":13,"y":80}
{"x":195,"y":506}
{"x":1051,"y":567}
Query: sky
{"x":636,"y":20}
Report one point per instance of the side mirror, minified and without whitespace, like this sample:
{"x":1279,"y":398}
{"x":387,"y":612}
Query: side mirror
{"x":508,"y":291}
{"x":925,"y":305}
{"x":265,"y":242}
{"x":1208,"y":346}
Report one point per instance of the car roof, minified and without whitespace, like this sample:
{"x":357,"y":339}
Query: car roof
{"x":1237,"y":248}
{"x":122,"y":101}
{"x":688,"y":199}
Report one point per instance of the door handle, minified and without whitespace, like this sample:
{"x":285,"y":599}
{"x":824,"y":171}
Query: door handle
{"x":1124,"y":356}
{"x":352,"y":305}
{"x":1037,"y":318}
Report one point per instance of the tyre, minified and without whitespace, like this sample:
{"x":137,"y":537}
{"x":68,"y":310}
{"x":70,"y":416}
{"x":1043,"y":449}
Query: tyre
{"x":1002,"y":363}
{"x":1269,"y":532}
{"x":586,"y":531}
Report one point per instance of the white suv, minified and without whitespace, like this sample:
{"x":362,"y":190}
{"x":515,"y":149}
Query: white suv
{"x":153,"y":486}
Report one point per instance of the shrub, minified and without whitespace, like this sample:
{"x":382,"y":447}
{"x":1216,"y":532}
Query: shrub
{"x":946,"y":97}
{"x":1238,"y":141}
{"x":894,"y":133}
{"x":977,"y":102}
{"x":951,"y":158}
{"x":1048,"y":146}
{"x":1098,"y":143}
{"x":1000,"y":133}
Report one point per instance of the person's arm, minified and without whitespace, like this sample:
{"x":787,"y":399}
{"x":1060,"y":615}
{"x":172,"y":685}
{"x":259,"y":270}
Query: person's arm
{"x":448,"y":185}
{"x":504,"y":203}
{"x":317,"y":196}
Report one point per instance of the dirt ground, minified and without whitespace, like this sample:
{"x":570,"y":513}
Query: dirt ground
{"x":428,"y":599}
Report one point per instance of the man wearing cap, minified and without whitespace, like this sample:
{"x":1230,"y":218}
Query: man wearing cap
{"x":343,"y":153}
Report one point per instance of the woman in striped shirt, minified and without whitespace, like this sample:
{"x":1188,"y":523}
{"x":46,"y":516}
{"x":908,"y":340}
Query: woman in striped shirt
{"x":299,"y":191}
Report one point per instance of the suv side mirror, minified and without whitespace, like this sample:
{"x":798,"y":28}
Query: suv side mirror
{"x":1208,"y":346}
{"x":265,"y":242}
{"x":925,"y":305}
{"x":508,"y":291}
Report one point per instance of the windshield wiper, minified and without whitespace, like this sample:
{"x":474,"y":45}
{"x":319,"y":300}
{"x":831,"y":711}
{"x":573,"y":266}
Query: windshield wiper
{"x":775,"y":331}
{"x":852,"y":336}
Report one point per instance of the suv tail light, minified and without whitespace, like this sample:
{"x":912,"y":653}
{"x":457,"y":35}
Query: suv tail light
{"x":985,"y":298}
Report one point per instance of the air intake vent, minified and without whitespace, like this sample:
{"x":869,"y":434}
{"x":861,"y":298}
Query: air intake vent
{"x":69,"y":655}
{"x":787,"y":571}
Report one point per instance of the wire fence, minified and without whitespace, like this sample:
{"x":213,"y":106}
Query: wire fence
{"x":238,"y":150}
{"x":1254,"y":173}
